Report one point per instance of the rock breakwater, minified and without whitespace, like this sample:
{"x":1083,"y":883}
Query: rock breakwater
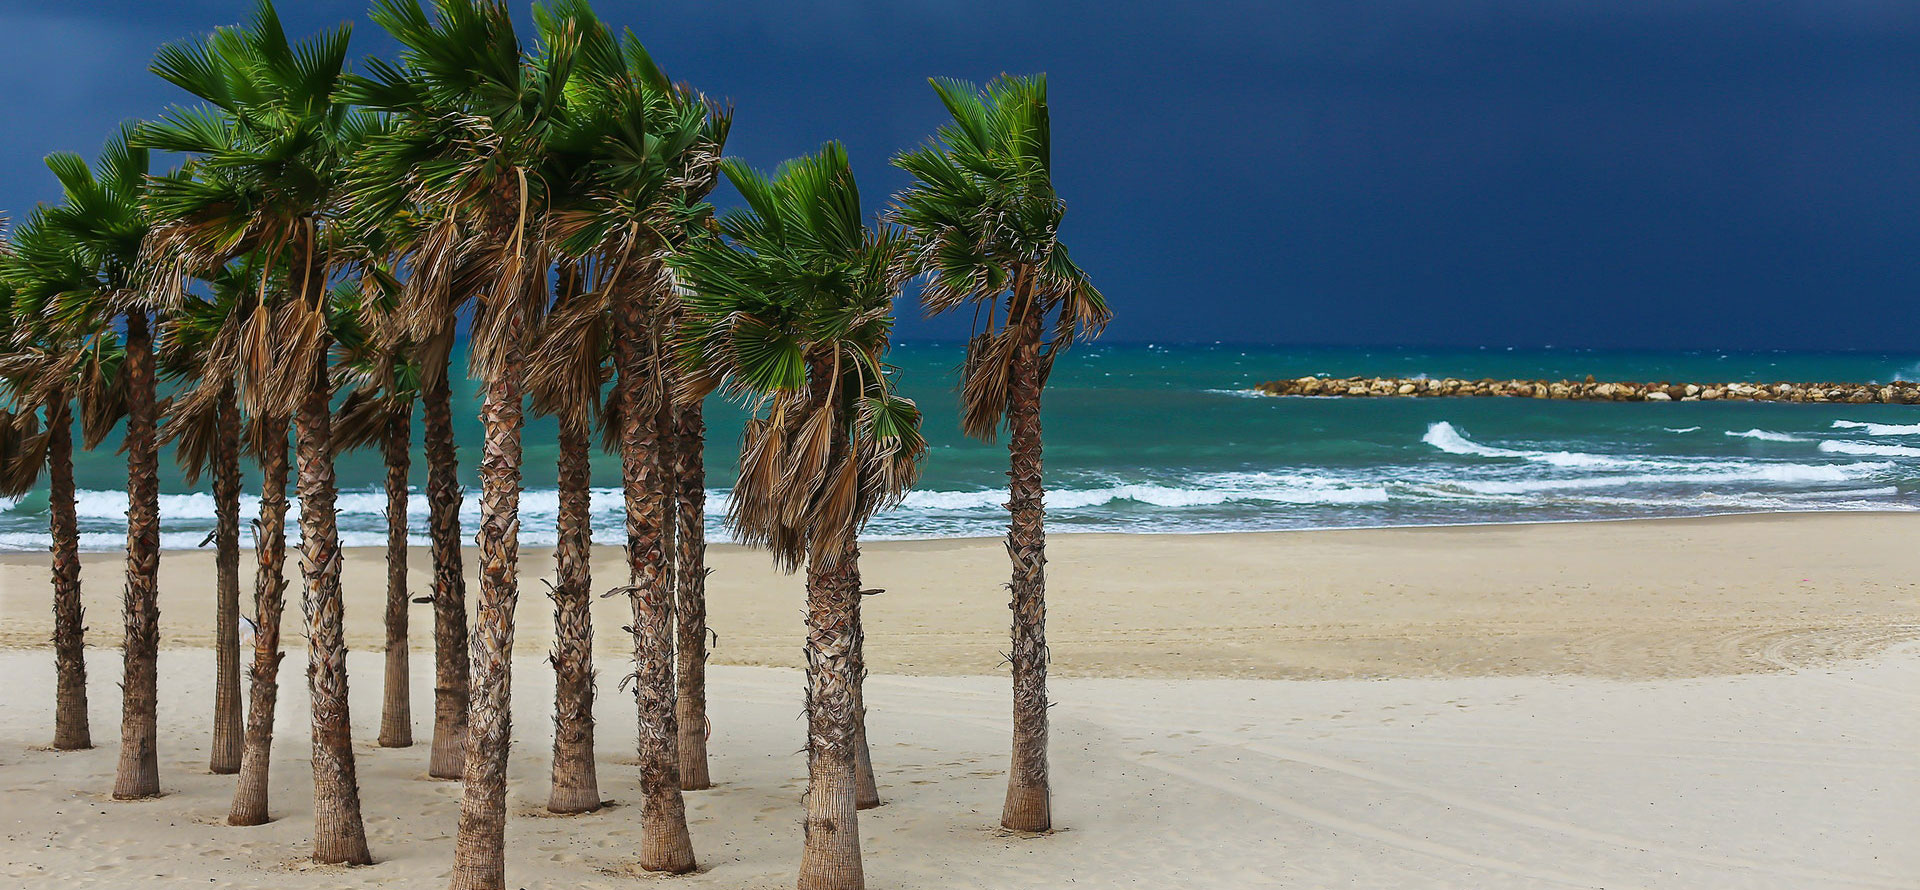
{"x":1900,"y":392}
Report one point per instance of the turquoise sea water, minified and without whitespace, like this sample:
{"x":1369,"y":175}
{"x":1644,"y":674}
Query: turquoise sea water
{"x":1169,"y":439}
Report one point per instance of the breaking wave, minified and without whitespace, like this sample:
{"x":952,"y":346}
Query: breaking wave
{"x":1766,"y":436}
{"x":1879,"y":429}
{"x":1837,"y":446}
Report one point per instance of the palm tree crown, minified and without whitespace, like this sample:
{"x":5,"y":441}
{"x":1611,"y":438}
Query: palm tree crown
{"x":793,"y":313}
{"x":983,"y":226}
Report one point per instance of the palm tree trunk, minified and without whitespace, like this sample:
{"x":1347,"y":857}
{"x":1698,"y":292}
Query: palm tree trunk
{"x":866,"y":791}
{"x":450,"y":664}
{"x":396,"y":711}
{"x":665,"y":844}
{"x":479,"y":856}
{"x":1028,"y":805}
{"x":338,"y":834}
{"x":138,"y":774}
{"x":228,"y":725}
{"x":831,"y":858}
{"x":70,"y":725}
{"x":690,"y":589}
{"x":269,"y":600}
{"x":576,"y":786}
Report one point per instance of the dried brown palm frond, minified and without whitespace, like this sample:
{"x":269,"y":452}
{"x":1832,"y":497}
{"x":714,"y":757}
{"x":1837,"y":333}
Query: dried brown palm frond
{"x":193,"y":429}
{"x":23,"y":451}
{"x":102,"y":393}
{"x":566,"y":367}
{"x":510,"y":305}
{"x":805,"y":468}
{"x":985,"y":379}
{"x":362,"y":420}
{"x":280,"y":352}
{"x":260,"y":437}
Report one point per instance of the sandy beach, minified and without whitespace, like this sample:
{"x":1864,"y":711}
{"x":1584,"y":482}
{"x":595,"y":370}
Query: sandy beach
{"x":1724,"y":702}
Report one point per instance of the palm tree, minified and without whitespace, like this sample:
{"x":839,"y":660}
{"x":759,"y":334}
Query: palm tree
{"x":690,"y":594}
{"x":983,"y":223}
{"x":51,"y":362}
{"x":472,"y":113}
{"x":206,"y":349}
{"x":378,"y":410}
{"x":451,"y":665}
{"x":792,"y":314}
{"x":267,"y":161}
{"x":566,"y":371}
{"x":266,"y":440}
{"x":422,"y":309}
{"x":651,"y":149}
{"x":203,"y":425}
{"x":103,"y":223}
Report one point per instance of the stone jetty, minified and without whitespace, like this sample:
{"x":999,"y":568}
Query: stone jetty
{"x":1899,"y":393}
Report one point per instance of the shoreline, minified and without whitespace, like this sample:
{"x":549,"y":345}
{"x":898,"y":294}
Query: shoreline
{"x":1630,"y":599}
{"x":7,"y":553}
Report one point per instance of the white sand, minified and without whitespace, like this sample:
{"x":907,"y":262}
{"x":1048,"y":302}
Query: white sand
{"x":1792,"y":780}
{"x":1707,"y":704}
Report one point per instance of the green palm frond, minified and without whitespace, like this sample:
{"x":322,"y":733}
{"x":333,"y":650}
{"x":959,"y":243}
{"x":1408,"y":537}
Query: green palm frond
{"x":983,"y":226}
{"x":788,"y":309}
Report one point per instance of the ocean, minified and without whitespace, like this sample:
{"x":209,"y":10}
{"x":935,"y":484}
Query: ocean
{"x":1157,"y":439}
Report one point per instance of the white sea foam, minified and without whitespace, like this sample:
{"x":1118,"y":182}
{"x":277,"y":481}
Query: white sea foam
{"x":1447,"y":438}
{"x":1277,"y":490}
{"x":1837,"y":446}
{"x":1879,"y":429}
{"x":1237,"y":393}
{"x":1766,"y":436}
{"x":1758,"y":473}
{"x":1684,"y":429}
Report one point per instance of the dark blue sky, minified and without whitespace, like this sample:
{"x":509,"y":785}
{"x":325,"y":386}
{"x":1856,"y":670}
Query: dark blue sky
{"x":1610,"y":173}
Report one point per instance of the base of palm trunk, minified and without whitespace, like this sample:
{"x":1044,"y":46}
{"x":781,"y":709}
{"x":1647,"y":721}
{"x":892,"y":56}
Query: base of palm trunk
{"x":665,"y":845}
{"x":138,"y":776}
{"x":396,"y":717}
{"x":227,"y":754}
{"x":72,"y":740}
{"x":249,"y":807}
{"x":866,"y":790}
{"x":71,"y":729}
{"x":248,"y":815}
{"x":692,"y":724}
{"x":567,"y":801}
{"x":343,"y":852}
{"x":1028,"y":808}
{"x":449,"y":758}
{"x":831,"y":859}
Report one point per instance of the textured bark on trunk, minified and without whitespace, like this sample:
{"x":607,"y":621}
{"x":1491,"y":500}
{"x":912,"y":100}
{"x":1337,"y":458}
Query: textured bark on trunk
{"x":396,"y":711}
{"x":665,"y":844}
{"x":229,"y":731}
{"x":269,"y":601}
{"x":576,"y":785}
{"x":1028,"y":805}
{"x":866,"y":791}
{"x":831,"y":858}
{"x":450,"y":665}
{"x":338,"y":834}
{"x":479,"y":855}
{"x":138,"y":774}
{"x":71,"y":731}
{"x":690,"y":591}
